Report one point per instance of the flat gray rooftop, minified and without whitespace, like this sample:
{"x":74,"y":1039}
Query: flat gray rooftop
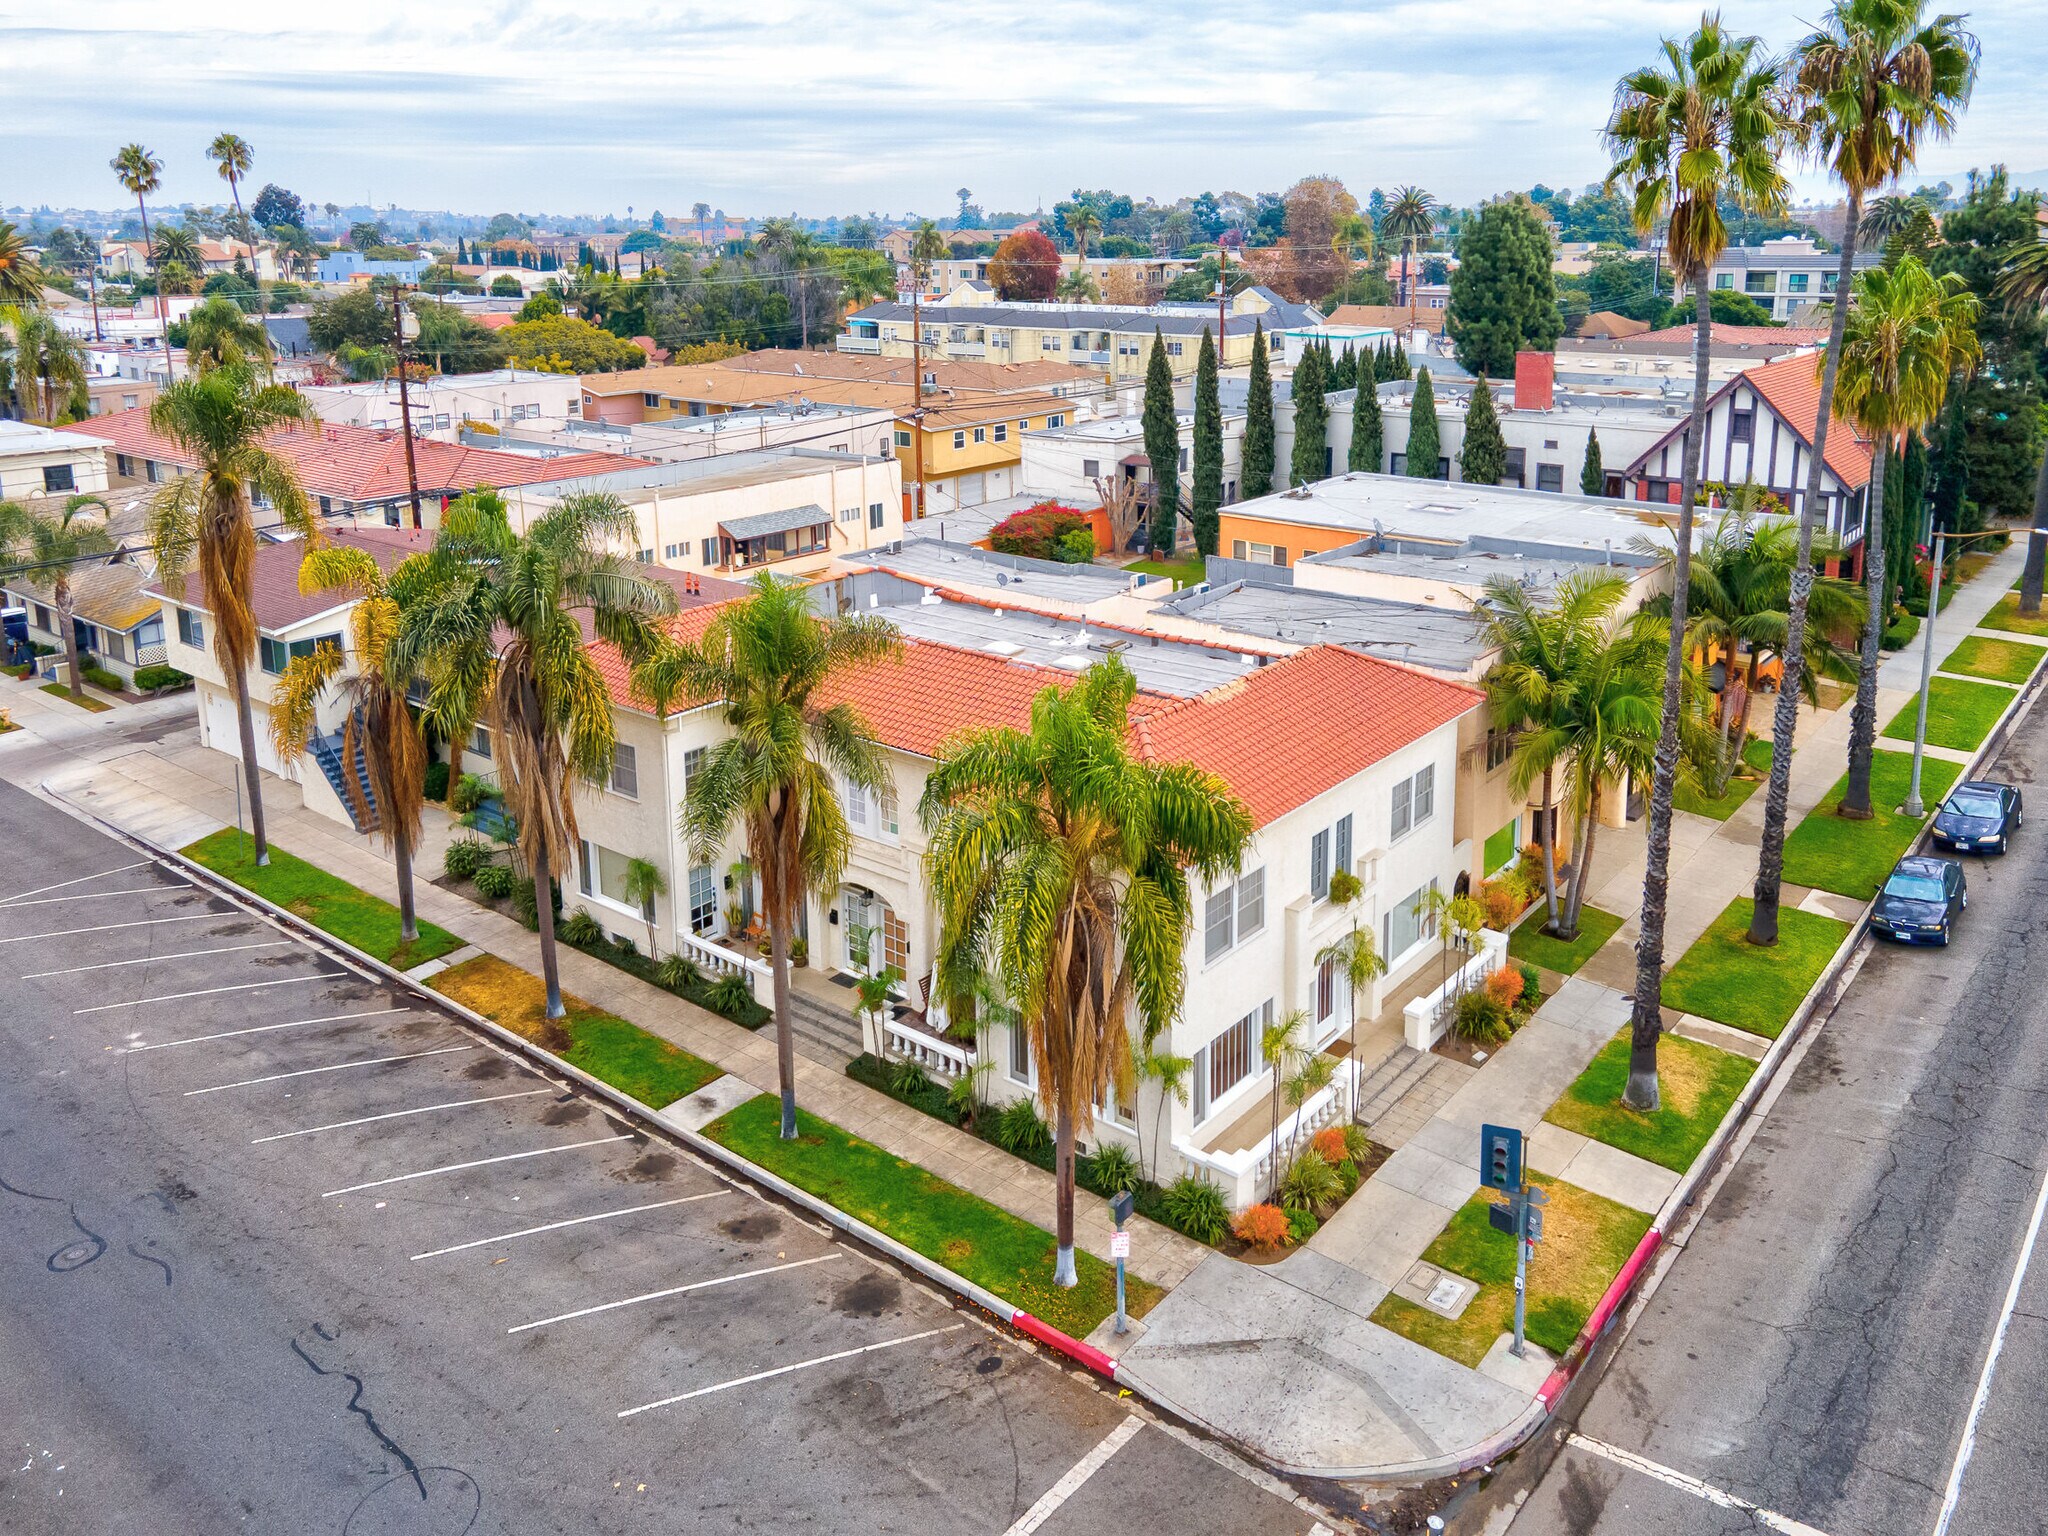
{"x":1537,"y":565}
{"x":1447,"y":639}
{"x":1451,"y":511}
{"x":959,"y":564}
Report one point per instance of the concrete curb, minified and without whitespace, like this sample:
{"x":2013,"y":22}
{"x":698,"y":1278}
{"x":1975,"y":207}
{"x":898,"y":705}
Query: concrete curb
{"x":1819,"y":1000}
{"x":1024,"y":1322}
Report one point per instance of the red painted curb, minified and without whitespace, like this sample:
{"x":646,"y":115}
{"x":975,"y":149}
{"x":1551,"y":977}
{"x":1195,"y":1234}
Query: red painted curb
{"x":1045,"y":1333}
{"x":1553,"y":1387}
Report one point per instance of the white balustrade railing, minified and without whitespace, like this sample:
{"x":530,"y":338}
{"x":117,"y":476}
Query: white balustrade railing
{"x":1427,"y":1020}
{"x":717,"y":960}
{"x":1246,"y":1176}
{"x":940,"y":1057}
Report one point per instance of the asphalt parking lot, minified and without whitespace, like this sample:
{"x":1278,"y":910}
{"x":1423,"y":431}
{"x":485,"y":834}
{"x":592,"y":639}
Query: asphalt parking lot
{"x":287,"y":1250}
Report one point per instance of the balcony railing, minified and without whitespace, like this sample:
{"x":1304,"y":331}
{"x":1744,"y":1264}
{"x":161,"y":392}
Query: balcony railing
{"x":717,"y":960}
{"x":1246,"y":1176}
{"x":940,"y":1057}
{"x":851,"y":343}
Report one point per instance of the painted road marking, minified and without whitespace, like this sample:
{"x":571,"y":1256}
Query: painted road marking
{"x":1768,"y":1519}
{"x":133,"y":890}
{"x":1063,"y":1490}
{"x":61,"y":884}
{"x":397,"y":1114}
{"x":180,"y":954}
{"x":339,"y":1066}
{"x":784,"y":1370}
{"x":573,"y":1221}
{"x":481,"y":1162}
{"x":1954,"y":1495}
{"x":675,"y":1290}
{"x":261,"y":1029}
{"x":247,"y":986}
{"x":146,"y":922}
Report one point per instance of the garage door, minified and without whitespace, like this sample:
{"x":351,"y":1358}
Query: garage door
{"x":223,"y":733}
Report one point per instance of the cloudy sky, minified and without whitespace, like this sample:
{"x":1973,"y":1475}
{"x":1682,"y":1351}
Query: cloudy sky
{"x":801,"y":105}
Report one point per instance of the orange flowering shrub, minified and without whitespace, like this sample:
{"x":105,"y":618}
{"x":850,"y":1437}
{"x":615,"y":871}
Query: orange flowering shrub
{"x":1262,"y":1226}
{"x":1504,"y":986}
{"x":1329,"y":1145}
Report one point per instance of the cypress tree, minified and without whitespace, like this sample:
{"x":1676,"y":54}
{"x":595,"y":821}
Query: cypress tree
{"x":1503,"y":298}
{"x":1403,"y":369}
{"x":1952,"y":470}
{"x":1424,"y":440}
{"x":1593,"y":479}
{"x":1311,"y":420}
{"x":461,"y":252}
{"x":1345,"y":375}
{"x":1208,"y":487}
{"x":1383,"y":362}
{"x":1258,"y":420}
{"x":1484,"y":457}
{"x":1162,"y":447}
{"x":1368,"y":433}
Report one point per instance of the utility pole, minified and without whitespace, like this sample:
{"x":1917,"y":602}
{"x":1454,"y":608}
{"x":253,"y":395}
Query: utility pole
{"x":1222,"y":296}
{"x":92,"y":282}
{"x":412,"y":473}
{"x":916,"y":391}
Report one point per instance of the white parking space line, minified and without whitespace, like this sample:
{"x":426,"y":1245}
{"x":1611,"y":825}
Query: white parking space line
{"x":1079,"y":1473}
{"x":247,"y":986}
{"x":481,"y":1162}
{"x":118,"y":869}
{"x":339,"y":1066}
{"x":1954,"y":1494}
{"x":784,"y":1370}
{"x":264,"y":1029}
{"x":133,"y":890}
{"x":573,"y":1221}
{"x":145,"y":922}
{"x":674,"y":1290}
{"x":177,"y":954}
{"x":398,"y":1114}
{"x":1770,"y":1520}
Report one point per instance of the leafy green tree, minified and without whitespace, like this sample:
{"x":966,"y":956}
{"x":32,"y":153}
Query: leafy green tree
{"x":1484,"y":457}
{"x":360,"y":317}
{"x":1311,"y":420}
{"x":564,"y":344}
{"x":1060,"y":863}
{"x":1257,"y":463}
{"x":1208,"y":485}
{"x":48,"y":543}
{"x":1592,"y":474}
{"x":1425,"y":439}
{"x":2023,"y":285}
{"x":275,"y":205}
{"x":43,"y":359}
{"x":1724,"y":307}
{"x":1162,"y":447}
{"x":1700,"y":128}
{"x":775,"y":778}
{"x":1368,"y":429}
{"x":1502,"y":297}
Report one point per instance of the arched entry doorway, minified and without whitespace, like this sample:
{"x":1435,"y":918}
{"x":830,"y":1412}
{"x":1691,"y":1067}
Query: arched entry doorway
{"x":875,"y":936}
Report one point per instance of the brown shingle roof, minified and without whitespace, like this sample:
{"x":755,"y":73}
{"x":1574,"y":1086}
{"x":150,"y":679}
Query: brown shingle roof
{"x":1396,"y":317}
{"x":274,"y":593}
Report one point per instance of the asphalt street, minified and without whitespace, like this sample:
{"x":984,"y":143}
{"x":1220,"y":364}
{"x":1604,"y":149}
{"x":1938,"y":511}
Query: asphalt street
{"x":1813,"y":1355}
{"x":284,"y":1250}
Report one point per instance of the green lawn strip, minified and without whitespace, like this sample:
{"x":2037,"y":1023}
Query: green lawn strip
{"x":326,"y":901}
{"x":1757,"y":753}
{"x":971,"y":1237}
{"x":609,"y":1048}
{"x":2005,"y":661}
{"x":1186,"y":572}
{"x":1960,"y":714}
{"x":1529,"y":942}
{"x":83,"y":701}
{"x":2007,"y":616}
{"x":1687,"y":798}
{"x":1852,"y":858}
{"x":1726,"y":978}
{"x":1586,"y":1240}
{"x":1696,"y":1084}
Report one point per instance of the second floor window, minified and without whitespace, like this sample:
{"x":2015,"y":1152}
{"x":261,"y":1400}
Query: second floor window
{"x":625,"y":772}
{"x":1414,"y":801}
{"x":1234,"y":913}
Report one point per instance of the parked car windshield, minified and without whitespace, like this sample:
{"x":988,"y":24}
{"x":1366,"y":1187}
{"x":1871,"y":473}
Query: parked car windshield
{"x":1974,"y":804}
{"x":1914,"y":887}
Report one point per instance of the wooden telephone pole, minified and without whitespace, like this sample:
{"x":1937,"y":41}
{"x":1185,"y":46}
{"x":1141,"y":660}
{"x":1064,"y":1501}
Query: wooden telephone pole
{"x":412,"y":473}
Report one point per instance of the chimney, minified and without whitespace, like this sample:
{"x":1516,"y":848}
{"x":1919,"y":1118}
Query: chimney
{"x":1535,"y":376}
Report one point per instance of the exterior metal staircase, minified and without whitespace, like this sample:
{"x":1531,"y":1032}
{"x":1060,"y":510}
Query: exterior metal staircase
{"x":328,"y":754}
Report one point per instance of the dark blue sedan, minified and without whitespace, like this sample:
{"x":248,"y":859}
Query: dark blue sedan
{"x":1979,"y":816}
{"x":1920,"y":900}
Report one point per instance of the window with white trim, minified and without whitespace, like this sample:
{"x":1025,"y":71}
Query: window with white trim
{"x":1406,"y":924}
{"x":875,"y":513}
{"x":672,"y":552}
{"x":1227,"y":1060}
{"x":1414,"y":802}
{"x":191,"y":628}
{"x":625,"y":778}
{"x":703,"y":899}
{"x":960,"y":438}
{"x":1233,"y":914}
{"x":849,"y":514}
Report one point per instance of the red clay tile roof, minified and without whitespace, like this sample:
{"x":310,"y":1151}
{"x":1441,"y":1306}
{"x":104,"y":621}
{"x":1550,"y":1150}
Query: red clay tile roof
{"x":1743,"y":335}
{"x":698,"y":599}
{"x":1290,"y":731}
{"x":274,"y":587}
{"x":1792,"y":388}
{"x":368,"y":464}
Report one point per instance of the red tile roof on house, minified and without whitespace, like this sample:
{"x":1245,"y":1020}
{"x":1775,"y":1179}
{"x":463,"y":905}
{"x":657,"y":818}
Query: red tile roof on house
{"x":1791,"y":387}
{"x":698,"y":599}
{"x":365,"y":464}
{"x":1743,"y":335}
{"x":274,"y":593}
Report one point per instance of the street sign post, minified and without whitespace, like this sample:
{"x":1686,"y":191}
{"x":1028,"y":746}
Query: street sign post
{"x":1120,"y":1208}
{"x":1520,"y":1215}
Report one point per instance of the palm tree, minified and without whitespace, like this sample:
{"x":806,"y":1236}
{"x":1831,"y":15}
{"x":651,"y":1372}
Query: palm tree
{"x":1870,"y":85}
{"x":1083,"y":223}
{"x":1892,"y":215}
{"x":1170,"y":1072}
{"x":767,"y":658}
{"x":379,"y":722}
{"x":1697,"y":131}
{"x":232,"y":154}
{"x":218,"y":332}
{"x":221,"y":420}
{"x":177,"y":246}
{"x":49,"y":543}
{"x":1908,"y":331}
{"x":21,"y":276}
{"x":497,"y":634}
{"x":1079,"y":287}
{"x":142,"y":173}
{"x":2023,"y":284}
{"x":1061,"y":863}
{"x":1409,"y":219}
{"x":1283,"y":1053}
{"x":1353,"y":238}
{"x":643,"y":884}
{"x":44,"y":358}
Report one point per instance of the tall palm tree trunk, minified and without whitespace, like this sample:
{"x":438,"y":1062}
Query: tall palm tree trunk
{"x":1063,"y":1198}
{"x":544,"y":914}
{"x":61,"y":596}
{"x":1770,"y":864}
{"x":785,"y":1034}
{"x":2031,"y":580}
{"x":163,"y":325}
{"x":1546,"y":818}
{"x":1877,"y":595}
{"x":1646,"y":1016}
{"x":245,"y":720}
{"x":1581,"y":865}
{"x":401,"y":853}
